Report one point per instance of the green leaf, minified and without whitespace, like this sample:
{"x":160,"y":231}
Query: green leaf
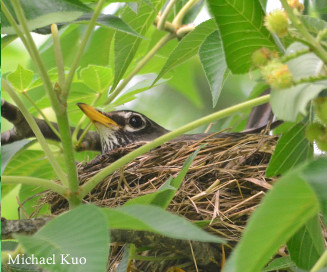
{"x":314,"y":25}
{"x":305,"y":65}
{"x":212,"y":58}
{"x":111,"y":21}
{"x":21,"y":78}
{"x":6,"y":40}
{"x":155,"y":219}
{"x":279,"y":263}
{"x":81,"y":233}
{"x":287,"y":104}
{"x":166,"y":192}
{"x":9,"y":150}
{"x":188,"y":46}
{"x":307,"y":245}
{"x":242,"y":31}
{"x":316,"y":173}
{"x":126,"y":45}
{"x":292,"y":148}
{"x":97,"y":78}
{"x":283,"y":211}
{"x":29,"y":163}
{"x":45,"y":12}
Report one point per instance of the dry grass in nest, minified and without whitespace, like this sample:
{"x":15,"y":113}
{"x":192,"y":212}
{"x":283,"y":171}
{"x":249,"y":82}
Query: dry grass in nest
{"x":224,"y":184}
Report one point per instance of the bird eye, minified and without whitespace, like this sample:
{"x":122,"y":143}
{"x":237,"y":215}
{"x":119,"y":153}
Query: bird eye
{"x":136,"y":121}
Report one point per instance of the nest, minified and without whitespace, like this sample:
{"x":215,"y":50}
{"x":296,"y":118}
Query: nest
{"x":224,"y":184}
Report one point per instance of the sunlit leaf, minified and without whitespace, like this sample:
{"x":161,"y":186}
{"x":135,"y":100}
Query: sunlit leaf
{"x":188,"y":46}
{"x":21,"y":78}
{"x":279,"y":263}
{"x":212,"y":58}
{"x":307,"y":245}
{"x":127,"y":45}
{"x":97,"y":78}
{"x":9,"y":150}
{"x":45,"y":12}
{"x":292,"y":148}
{"x":242,"y":31}
{"x":288,"y":103}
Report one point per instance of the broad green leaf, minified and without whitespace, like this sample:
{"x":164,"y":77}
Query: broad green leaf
{"x":96,"y":51}
{"x":29,"y":163}
{"x":307,"y":245}
{"x":314,"y":25}
{"x":212,"y":58}
{"x":283,"y":211}
{"x":288,"y":103}
{"x":305,"y":65}
{"x":279,"y":263}
{"x":9,"y":150}
{"x":188,"y":46}
{"x":126,"y":45}
{"x":166,"y":192}
{"x":45,"y":12}
{"x":155,"y":219}
{"x":97,"y":78}
{"x":292,"y":148}
{"x":6,"y":40}
{"x":316,"y":173}
{"x":80,"y":233}
{"x":111,"y":21}
{"x":21,"y":78}
{"x":242,"y":31}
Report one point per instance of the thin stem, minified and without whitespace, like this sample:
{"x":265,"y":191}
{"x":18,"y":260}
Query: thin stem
{"x":81,"y":121}
{"x":321,"y":263}
{"x":310,"y":79}
{"x":316,"y":46}
{"x":83,"y":134}
{"x":296,"y":54}
{"x":38,"y":134}
{"x":38,"y":182}
{"x":140,"y":65}
{"x":90,"y":184}
{"x":30,"y":45}
{"x":12,"y":21}
{"x":58,"y":55}
{"x":165,"y":14}
{"x":177,"y":22}
{"x":70,"y":76}
{"x":59,"y":108}
{"x":42,"y":114}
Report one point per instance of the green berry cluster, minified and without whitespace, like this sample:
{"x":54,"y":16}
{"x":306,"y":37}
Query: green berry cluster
{"x":277,"y":22}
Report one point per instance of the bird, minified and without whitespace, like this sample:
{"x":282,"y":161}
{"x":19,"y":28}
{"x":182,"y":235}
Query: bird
{"x":123,"y":127}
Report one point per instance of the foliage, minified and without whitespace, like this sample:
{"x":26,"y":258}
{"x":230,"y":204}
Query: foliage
{"x":143,"y":54}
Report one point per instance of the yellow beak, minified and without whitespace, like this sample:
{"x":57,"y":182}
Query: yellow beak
{"x":96,"y":116}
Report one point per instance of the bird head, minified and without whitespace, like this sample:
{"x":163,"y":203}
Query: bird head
{"x":120,"y":128}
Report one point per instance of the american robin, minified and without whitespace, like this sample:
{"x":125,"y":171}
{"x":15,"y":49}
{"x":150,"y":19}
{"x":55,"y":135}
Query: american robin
{"x":120,"y":128}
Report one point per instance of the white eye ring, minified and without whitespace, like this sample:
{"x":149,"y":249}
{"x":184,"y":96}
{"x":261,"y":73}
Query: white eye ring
{"x":134,"y":122}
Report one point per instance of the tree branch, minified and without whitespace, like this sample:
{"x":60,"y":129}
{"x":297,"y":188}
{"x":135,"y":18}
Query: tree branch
{"x":22,"y":130}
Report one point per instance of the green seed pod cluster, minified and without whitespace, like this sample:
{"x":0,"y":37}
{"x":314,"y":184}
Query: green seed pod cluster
{"x":277,"y":75}
{"x":277,"y":22}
